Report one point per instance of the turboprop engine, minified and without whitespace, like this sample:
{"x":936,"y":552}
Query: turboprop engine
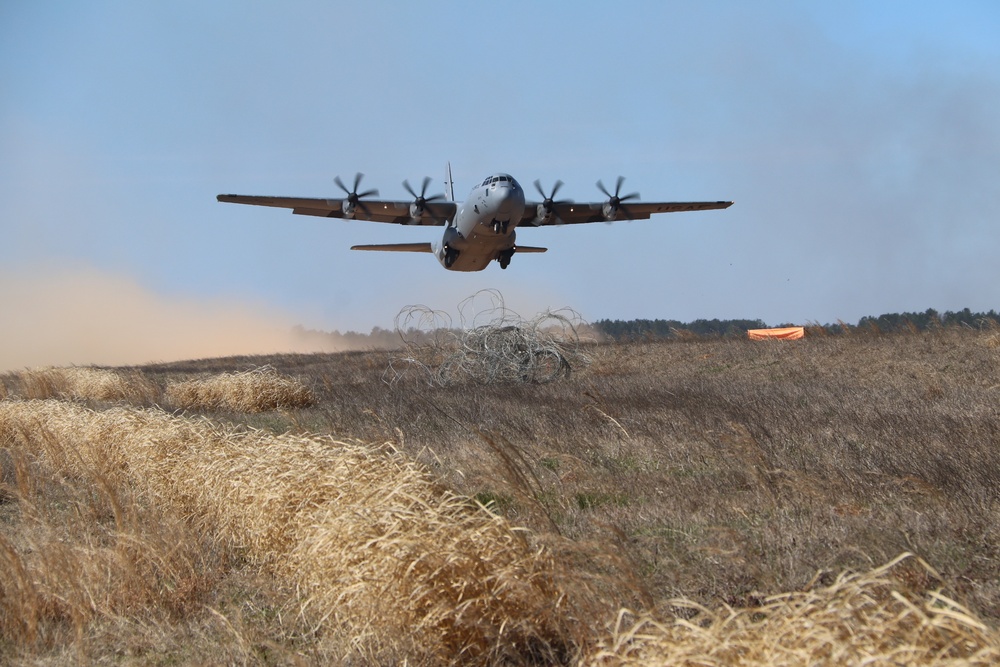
{"x":418,"y":208}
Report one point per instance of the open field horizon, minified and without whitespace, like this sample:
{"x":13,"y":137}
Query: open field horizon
{"x":717,"y":471}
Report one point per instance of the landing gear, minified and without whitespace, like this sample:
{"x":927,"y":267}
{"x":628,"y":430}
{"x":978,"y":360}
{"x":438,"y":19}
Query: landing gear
{"x":450,"y":255}
{"x":504,"y":258}
{"x":500,"y":227}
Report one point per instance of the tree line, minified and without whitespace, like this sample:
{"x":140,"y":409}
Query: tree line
{"x":640,"y":329}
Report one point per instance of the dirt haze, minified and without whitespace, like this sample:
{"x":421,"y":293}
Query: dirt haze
{"x":85,"y":316}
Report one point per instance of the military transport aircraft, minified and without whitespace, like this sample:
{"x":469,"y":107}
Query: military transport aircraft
{"x":480,"y":229}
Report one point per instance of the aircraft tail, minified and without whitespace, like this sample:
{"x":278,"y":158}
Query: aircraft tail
{"x":449,"y":185}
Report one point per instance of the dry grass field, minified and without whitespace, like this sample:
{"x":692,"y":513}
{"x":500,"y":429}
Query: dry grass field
{"x":697,"y":501}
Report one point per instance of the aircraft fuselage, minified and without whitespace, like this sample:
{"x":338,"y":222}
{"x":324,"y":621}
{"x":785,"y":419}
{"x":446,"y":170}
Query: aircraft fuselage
{"x":484,"y":226}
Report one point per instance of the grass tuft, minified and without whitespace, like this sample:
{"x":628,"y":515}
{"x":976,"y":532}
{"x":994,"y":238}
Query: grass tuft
{"x":256,"y":390}
{"x":866,"y":618}
{"x":86,"y":382}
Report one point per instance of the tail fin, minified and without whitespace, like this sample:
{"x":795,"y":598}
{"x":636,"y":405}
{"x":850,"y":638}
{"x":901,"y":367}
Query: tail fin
{"x":449,"y":185}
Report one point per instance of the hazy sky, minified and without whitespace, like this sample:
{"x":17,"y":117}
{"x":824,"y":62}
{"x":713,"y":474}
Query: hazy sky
{"x":860,"y":141}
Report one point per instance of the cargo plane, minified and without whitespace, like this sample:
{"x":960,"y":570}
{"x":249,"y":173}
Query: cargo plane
{"x":483,"y":227}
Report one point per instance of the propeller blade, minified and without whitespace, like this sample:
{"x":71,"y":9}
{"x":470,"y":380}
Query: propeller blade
{"x":422,"y":199}
{"x":549,"y":199}
{"x":616,"y":201}
{"x":353,"y":196}
{"x":617,"y":198}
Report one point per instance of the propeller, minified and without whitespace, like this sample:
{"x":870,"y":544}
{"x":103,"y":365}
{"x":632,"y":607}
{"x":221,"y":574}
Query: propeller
{"x":549,"y":202}
{"x":615,"y":201}
{"x":353,"y":196}
{"x":420,"y":201}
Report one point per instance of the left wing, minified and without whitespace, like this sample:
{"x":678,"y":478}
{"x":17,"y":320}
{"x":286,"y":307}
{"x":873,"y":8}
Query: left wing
{"x":570,"y":213}
{"x":437,"y":213}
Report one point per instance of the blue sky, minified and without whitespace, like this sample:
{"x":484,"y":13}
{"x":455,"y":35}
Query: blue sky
{"x":860,"y":141}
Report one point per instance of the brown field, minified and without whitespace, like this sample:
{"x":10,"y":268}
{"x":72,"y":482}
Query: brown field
{"x":740,"y":498}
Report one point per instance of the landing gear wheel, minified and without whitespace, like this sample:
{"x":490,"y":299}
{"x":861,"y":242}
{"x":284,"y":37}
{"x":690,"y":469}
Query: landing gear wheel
{"x":450,"y":255}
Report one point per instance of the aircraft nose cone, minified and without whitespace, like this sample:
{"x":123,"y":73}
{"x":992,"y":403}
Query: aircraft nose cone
{"x":509,"y":198}
{"x":506,"y":200}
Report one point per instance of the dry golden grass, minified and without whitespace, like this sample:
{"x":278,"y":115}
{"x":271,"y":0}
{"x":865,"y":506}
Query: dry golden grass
{"x":698,"y":478}
{"x":381,"y":554}
{"x":78,"y":553}
{"x":256,"y":390}
{"x":379,"y":551}
{"x":86,"y":382}
{"x":861,"y":619}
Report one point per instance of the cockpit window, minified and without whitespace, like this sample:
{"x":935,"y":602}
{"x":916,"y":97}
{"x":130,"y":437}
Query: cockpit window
{"x":492,"y":180}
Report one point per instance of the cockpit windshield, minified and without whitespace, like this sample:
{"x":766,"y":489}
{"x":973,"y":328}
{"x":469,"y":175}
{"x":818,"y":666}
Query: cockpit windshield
{"x":497,"y":179}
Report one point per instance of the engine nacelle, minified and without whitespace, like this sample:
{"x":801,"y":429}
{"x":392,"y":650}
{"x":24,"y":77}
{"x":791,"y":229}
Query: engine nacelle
{"x":610,"y":211}
{"x":416,"y":212}
{"x":348,"y":208}
{"x":543,"y":213}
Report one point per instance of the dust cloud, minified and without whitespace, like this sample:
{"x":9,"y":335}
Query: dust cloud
{"x":85,"y":316}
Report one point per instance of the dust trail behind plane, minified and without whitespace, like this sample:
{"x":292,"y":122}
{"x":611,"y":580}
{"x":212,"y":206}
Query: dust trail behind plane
{"x":86,"y":316}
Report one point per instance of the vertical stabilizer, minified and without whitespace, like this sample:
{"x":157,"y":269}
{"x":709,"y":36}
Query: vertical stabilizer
{"x":449,"y":185}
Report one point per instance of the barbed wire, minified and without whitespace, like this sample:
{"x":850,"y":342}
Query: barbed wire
{"x":491,"y":345}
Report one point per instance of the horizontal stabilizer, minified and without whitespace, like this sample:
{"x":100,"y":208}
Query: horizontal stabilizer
{"x":396,"y":247}
{"x":528,"y":248}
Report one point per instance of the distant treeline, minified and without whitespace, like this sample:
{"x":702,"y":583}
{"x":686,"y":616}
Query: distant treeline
{"x":626,"y":330}
{"x":644,"y":329}
{"x":378,"y":338}
{"x":622,"y":330}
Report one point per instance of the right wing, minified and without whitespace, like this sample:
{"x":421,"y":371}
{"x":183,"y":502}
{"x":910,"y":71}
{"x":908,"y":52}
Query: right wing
{"x":375,"y":210}
{"x":570,"y":213}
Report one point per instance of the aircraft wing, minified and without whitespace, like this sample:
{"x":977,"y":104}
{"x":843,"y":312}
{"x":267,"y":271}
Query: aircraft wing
{"x":396,"y":247}
{"x":571,"y":213}
{"x":376,"y":210}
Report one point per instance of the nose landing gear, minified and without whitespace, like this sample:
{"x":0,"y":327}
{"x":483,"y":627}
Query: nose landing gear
{"x":504,"y":258}
{"x":450,"y":255}
{"x":500,"y":227}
